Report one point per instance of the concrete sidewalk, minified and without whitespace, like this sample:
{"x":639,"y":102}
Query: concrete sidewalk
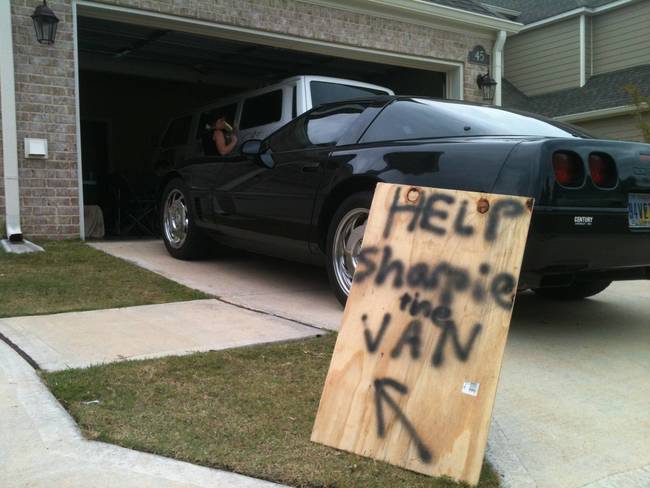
{"x":80,"y":339}
{"x":290,"y":290}
{"x":42,"y":447}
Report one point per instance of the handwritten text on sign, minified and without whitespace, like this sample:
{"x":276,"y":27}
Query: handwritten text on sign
{"x":416,"y":363}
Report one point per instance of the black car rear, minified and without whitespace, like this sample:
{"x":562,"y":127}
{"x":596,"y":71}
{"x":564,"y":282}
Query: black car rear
{"x":592,"y":211}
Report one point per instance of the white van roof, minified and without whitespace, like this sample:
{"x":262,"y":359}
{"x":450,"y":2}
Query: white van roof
{"x":340,"y":81}
{"x":307,"y":78}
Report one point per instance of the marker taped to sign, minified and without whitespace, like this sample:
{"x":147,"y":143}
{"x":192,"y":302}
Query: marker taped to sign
{"x":428,"y":311}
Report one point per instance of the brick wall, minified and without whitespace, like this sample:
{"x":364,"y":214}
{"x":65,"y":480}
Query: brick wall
{"x":45,"y":97}
{"x":45,"y":108}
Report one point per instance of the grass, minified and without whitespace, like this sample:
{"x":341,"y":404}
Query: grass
{"x":247,"y":410}
{"x":72,"y":276}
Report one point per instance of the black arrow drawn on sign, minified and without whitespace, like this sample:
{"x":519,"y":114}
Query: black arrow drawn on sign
{"x":381,"y":395}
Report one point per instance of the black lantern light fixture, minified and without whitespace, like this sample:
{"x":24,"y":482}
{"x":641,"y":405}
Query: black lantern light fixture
{"x":487,"y":84}
{"x":45,"y":23}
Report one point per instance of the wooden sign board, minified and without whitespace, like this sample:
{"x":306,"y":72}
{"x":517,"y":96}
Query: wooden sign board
{"x":416,"y":364}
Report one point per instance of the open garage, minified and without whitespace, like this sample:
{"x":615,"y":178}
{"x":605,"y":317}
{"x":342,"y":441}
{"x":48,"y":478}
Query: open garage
{"x":134,"y":79}
{"x":98,"y":94}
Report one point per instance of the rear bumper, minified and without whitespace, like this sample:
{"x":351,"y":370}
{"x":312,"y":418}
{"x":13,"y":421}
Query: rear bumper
{"x":566,"y":243}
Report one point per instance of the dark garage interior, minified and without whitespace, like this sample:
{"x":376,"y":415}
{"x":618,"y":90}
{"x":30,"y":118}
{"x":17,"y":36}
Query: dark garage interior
{"x":133,"y":79}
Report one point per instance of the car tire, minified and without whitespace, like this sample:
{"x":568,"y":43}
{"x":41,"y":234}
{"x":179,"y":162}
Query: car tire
{"x":575,"y":291}
{"x":344,"y":237}
{"x":182,"y":238}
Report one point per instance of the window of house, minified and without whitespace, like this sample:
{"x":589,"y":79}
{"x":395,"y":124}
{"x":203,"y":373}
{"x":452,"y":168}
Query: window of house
{"x":261,"y":110}
{"x":177,"y":132}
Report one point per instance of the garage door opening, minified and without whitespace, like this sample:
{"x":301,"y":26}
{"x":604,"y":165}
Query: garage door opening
{"x":134,"y":79}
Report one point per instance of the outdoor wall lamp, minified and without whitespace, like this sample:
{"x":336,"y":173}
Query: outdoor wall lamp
{"x":487,"y":84}
{"x":45,"y":23}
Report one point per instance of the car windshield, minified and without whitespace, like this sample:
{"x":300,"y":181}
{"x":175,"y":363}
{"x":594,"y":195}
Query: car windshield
{"x":326,"y":92}
{"x":422,"y":119}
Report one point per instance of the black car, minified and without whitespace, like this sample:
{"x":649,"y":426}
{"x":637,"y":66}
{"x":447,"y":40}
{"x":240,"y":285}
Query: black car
{"x":304,"y":192}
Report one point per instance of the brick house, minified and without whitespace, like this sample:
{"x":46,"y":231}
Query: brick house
{"x":119,"y":68}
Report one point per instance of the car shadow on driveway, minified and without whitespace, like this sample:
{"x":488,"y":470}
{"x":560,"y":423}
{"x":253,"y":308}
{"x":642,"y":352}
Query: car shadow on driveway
{"x":613,"y":314}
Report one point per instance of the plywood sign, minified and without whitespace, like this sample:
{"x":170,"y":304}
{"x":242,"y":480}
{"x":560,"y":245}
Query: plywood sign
{"x":415,"y":368}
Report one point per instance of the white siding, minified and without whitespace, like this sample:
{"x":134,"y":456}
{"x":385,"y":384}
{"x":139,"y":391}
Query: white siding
{"x":622,"y":38}
{"x":545,"y":59}
{"x":622,"y":127}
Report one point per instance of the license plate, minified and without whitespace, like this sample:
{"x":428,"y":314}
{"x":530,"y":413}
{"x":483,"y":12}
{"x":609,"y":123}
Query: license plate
{"x":639,"y":210}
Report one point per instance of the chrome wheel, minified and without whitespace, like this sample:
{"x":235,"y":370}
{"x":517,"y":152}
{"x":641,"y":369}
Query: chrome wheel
{"x":346,"y":246}
{"x":175,"y":219}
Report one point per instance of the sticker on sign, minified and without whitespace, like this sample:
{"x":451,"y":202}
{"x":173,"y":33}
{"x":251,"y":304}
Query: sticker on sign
{"x":470,"y":388}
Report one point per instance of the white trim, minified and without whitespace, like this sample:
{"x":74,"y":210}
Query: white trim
{"x":420,"y":12}
{"x":575,"y":12}
{"x":583,"y":50}
{"x":454,"y":85}
{"x":557,"y":18}
{"x":602,"y":113}
{"x":497,"y":65}
{"x":80,"y":182}
{"x":591,"y":47}
{"x":9,"y":132}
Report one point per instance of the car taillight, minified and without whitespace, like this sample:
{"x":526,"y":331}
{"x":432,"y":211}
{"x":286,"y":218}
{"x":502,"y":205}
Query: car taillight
{"x":603,"y":170}
{"x":568,"y":168}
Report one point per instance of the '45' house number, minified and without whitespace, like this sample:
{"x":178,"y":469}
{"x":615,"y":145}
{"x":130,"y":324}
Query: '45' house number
{"x":478,"y":55}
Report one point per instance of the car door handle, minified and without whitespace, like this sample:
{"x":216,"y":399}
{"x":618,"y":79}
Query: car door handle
{"x":311,"y":168}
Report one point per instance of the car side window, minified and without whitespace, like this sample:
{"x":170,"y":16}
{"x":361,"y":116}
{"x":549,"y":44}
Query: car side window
{"x":421,"y":118}
{"x":406,"y":120}
{"x":261,"y":110}
{"x":320,"y":127}
{"x":177,"y":132}
{"x":228,"y":111}
{"x":204,"y":131}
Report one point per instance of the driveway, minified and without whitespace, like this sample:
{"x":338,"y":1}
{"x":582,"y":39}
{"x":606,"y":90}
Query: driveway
{"x":289,"y":290}
{"x":573,"y":403}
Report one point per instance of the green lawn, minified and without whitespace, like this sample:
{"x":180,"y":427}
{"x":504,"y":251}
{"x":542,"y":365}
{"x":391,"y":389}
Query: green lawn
{"x":72,"y":276}
{"x":247,"y":410}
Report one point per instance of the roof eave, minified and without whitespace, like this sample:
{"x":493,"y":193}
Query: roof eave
{"x":420,"y":11}
{"x":601,"y":113}
{"x":577,"y":12}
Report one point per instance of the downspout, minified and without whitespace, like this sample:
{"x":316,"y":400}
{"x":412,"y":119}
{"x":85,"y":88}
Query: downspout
{"x":14,"y":242}
{"x":9,"y":136}
{"x":583,"y":50}
{"x":497,"y":64}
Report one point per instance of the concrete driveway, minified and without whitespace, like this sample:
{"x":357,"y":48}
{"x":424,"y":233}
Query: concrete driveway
{"x":573,"y":403}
